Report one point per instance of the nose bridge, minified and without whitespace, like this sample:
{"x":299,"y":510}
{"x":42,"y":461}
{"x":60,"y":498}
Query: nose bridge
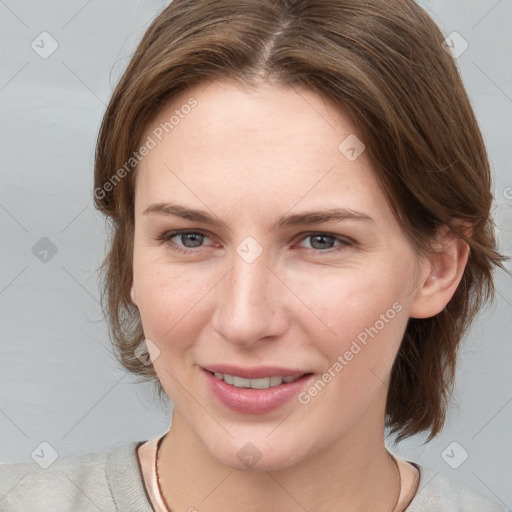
{"x":248,"y":307}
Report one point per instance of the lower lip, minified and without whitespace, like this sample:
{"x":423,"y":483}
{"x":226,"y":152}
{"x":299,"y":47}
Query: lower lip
{"x":254,"y":401}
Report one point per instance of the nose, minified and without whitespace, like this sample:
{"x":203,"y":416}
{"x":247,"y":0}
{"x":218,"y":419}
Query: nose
{"x":250,"y":303}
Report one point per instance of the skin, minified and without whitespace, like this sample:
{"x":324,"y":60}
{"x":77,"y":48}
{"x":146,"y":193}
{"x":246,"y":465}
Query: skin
{"x":248,"y":156}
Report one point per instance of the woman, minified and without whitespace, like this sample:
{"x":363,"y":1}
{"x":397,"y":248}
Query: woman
{"x":299,"y":196}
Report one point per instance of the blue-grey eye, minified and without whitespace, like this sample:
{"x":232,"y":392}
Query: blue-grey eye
{"x":191,"y":239}
{"x":322,"y":241}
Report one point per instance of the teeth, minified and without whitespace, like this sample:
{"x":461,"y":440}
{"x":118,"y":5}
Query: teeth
{"x":275,"y":381}
{"x":263,"y":383}
{"x":240,"y":382}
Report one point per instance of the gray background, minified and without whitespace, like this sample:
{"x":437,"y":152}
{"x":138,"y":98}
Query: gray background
{"x":59,"y":382}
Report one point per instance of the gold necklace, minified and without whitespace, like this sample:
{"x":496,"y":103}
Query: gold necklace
{"x":168,"y":508}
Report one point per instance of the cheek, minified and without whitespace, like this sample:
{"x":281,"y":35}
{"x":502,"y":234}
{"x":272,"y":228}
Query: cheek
{"x":169,"y":303}
{"x":355,"y":304}
{"x":172,"y":317}
{"x":368,"y":315}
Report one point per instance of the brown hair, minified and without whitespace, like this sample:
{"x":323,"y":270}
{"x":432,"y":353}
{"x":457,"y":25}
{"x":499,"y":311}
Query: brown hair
{"x":384,"y":64}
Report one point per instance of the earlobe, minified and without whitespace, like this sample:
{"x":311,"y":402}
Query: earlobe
{"x":133,"y":295}
{"x":446,"y":269}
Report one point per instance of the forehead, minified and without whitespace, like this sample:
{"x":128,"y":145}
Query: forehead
{"x":270,"y":145}
{"x":229,"y":118}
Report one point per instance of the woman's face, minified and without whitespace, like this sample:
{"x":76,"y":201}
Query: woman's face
{"x":295,"y":267}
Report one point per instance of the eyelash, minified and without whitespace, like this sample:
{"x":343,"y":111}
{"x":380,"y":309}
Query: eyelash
{"x":165,"y":238}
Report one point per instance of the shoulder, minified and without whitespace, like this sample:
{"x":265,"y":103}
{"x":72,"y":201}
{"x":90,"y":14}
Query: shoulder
{"x":437,"y":493}
{"x":82,"y":483}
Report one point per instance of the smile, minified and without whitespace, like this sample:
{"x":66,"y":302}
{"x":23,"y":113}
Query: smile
{"x":262,"y":383}
{"x":254,"y":393}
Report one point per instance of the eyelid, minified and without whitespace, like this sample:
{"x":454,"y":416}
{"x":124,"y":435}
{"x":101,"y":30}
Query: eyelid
{"x":342,"y":238}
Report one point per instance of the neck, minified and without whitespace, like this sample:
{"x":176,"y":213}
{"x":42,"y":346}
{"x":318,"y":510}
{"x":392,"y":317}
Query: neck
{"x":355,"y":473}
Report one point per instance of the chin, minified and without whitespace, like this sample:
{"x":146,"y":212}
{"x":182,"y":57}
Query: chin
{"x":260,"y":455}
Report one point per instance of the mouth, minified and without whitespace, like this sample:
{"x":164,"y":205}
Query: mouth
{"x":261,"y":383}
{"x":256,"y":394}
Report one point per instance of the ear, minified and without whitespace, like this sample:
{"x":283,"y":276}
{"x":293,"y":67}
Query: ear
{"x":441,"y":273}
{"x":133,"y":295}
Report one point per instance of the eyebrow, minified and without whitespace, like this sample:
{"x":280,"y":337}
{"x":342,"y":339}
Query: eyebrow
{"x":290,"y":220}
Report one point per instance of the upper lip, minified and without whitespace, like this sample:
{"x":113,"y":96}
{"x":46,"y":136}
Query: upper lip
{"x":259,"y":372}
